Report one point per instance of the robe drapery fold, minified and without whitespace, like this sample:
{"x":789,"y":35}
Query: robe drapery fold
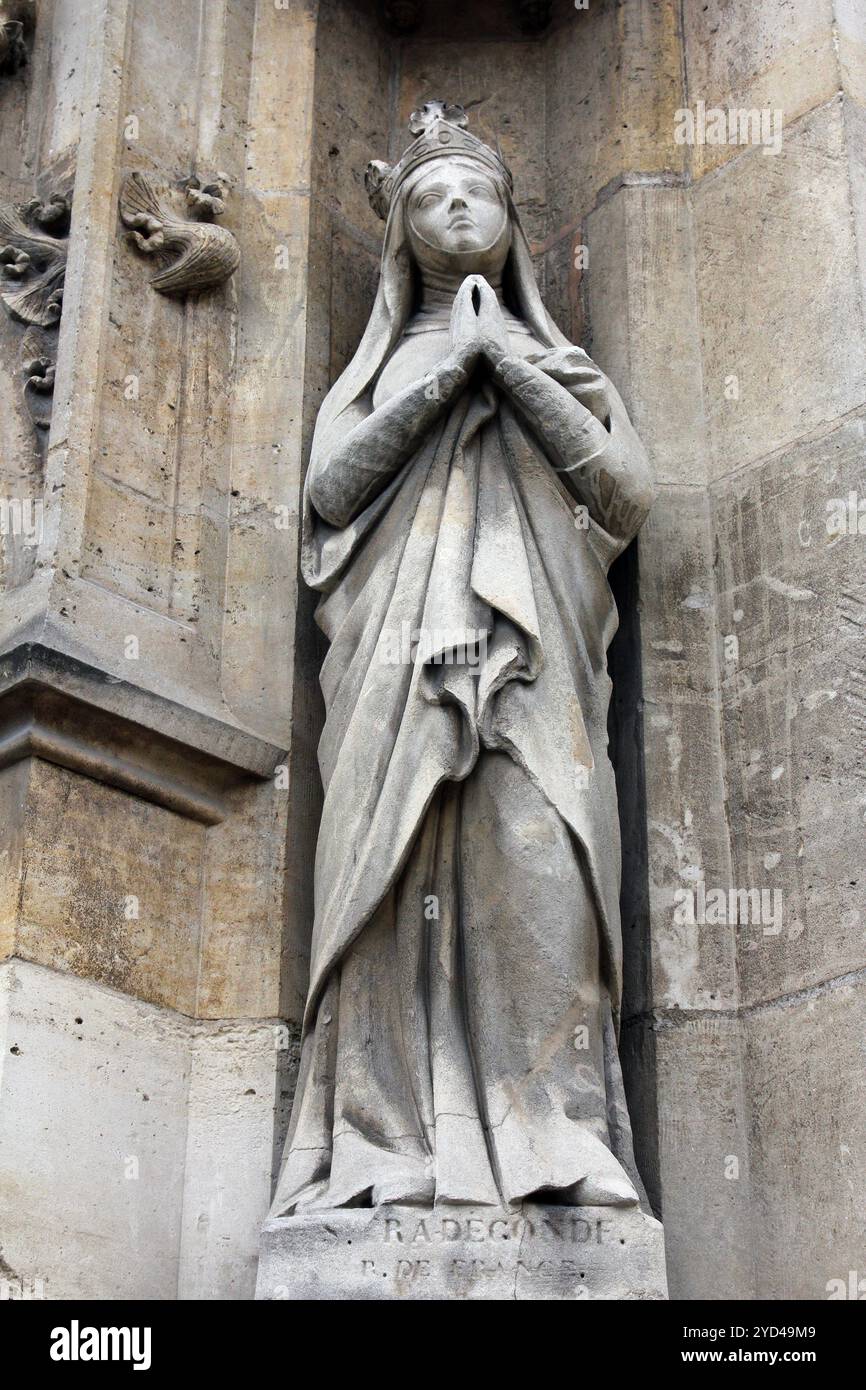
{"x":475,"y":555}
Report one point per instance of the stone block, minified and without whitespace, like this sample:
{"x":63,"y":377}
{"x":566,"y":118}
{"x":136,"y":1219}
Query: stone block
{"x":779,"y":303}
{"x":805,"y":1077}
{"x":614,"y":81}
{"x":792,"y":622}
{"x":229,"y":1157}
{"x":353,"y":65}
{"x":243,"y":911}
{"x":704,"y":1154}
{"x":110,"y":870}
{"x":280,"y":113}
{"x":685,"y":792}
{"x":773,"y":55}
{"x":644,"y":326}
{"x":93,"y":1090}
{"x":112,"y":888}
{"x":677,"y":599}
{"x":851,"y":46}
{"x":150,"y":1138}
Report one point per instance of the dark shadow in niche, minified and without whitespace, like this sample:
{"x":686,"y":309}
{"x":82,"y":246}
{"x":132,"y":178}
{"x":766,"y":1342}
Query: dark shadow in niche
{"x":353,"y":54}
{"x":625,"y":730}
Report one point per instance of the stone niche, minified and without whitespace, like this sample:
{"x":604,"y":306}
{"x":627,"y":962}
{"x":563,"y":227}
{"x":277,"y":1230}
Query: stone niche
{"x":672,"y":265}
{"x":545,"y":82}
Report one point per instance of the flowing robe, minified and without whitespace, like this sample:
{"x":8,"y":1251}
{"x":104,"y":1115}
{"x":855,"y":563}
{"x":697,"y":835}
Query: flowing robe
{"x":460,"y":1033}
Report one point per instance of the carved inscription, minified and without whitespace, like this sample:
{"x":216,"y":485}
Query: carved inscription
{"x":502,"y":1243}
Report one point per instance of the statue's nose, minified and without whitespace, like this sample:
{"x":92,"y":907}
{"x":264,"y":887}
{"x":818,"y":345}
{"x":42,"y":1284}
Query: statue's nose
{"x":456,"y":203}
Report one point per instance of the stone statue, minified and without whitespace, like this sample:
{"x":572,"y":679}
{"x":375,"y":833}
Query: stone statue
{"x":472,"y":477}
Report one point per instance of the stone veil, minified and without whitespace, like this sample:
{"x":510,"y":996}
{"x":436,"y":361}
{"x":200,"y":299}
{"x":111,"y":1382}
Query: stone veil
{"x":473,"y":475}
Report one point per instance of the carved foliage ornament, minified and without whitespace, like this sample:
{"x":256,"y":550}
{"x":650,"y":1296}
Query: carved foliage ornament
{"x":208,"y":254}
{"x":33,"y":250}
{"x":33,"y":262}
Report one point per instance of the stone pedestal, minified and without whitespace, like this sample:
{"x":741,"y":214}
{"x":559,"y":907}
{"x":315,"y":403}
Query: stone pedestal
{"x":403,"y":1252}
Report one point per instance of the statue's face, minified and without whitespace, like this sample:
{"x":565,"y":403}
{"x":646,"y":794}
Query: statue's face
{"x":456,"y":210}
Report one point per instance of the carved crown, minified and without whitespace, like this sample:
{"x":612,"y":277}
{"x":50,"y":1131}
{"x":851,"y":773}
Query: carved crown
{"x":439,"y":129}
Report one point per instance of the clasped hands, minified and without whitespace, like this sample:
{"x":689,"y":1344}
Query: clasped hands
{"x":479,"y":335}
{"x":477,"y":327}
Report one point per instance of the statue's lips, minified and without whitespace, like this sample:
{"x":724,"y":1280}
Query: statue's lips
{"x":458,"y":222}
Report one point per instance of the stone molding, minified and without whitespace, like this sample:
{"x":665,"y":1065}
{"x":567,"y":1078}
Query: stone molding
{"x":58,"y":709}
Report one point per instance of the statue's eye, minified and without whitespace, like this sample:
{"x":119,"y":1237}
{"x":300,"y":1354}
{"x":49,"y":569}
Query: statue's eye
{"x":483,"y":189}
{"x":427,"y":198}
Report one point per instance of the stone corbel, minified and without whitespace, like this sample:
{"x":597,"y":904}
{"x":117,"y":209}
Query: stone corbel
{"x":209,"y":254}
{"x":33,"y":250}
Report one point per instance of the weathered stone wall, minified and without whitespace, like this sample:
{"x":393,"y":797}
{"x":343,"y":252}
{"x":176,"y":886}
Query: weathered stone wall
{"x":725,"y":296}
{"x":788,"y":321}
{"x":146,"y":1064}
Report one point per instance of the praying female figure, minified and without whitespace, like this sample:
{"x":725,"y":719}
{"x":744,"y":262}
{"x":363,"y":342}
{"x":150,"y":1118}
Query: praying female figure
{"x":472,"y":477}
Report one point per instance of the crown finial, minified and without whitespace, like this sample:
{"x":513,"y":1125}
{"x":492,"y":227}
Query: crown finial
{"x":433,"y":111}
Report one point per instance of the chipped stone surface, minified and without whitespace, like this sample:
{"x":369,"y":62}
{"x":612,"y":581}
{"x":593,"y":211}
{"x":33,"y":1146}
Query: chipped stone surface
{"x":93,"y":899}
{"x":793,"y":594}
{"x":643,"y":315}
{"x":705,"y":1155}
{"x":149,"y":1137}
{"x":805,"y":1082}
{"x":93,"y":1091}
